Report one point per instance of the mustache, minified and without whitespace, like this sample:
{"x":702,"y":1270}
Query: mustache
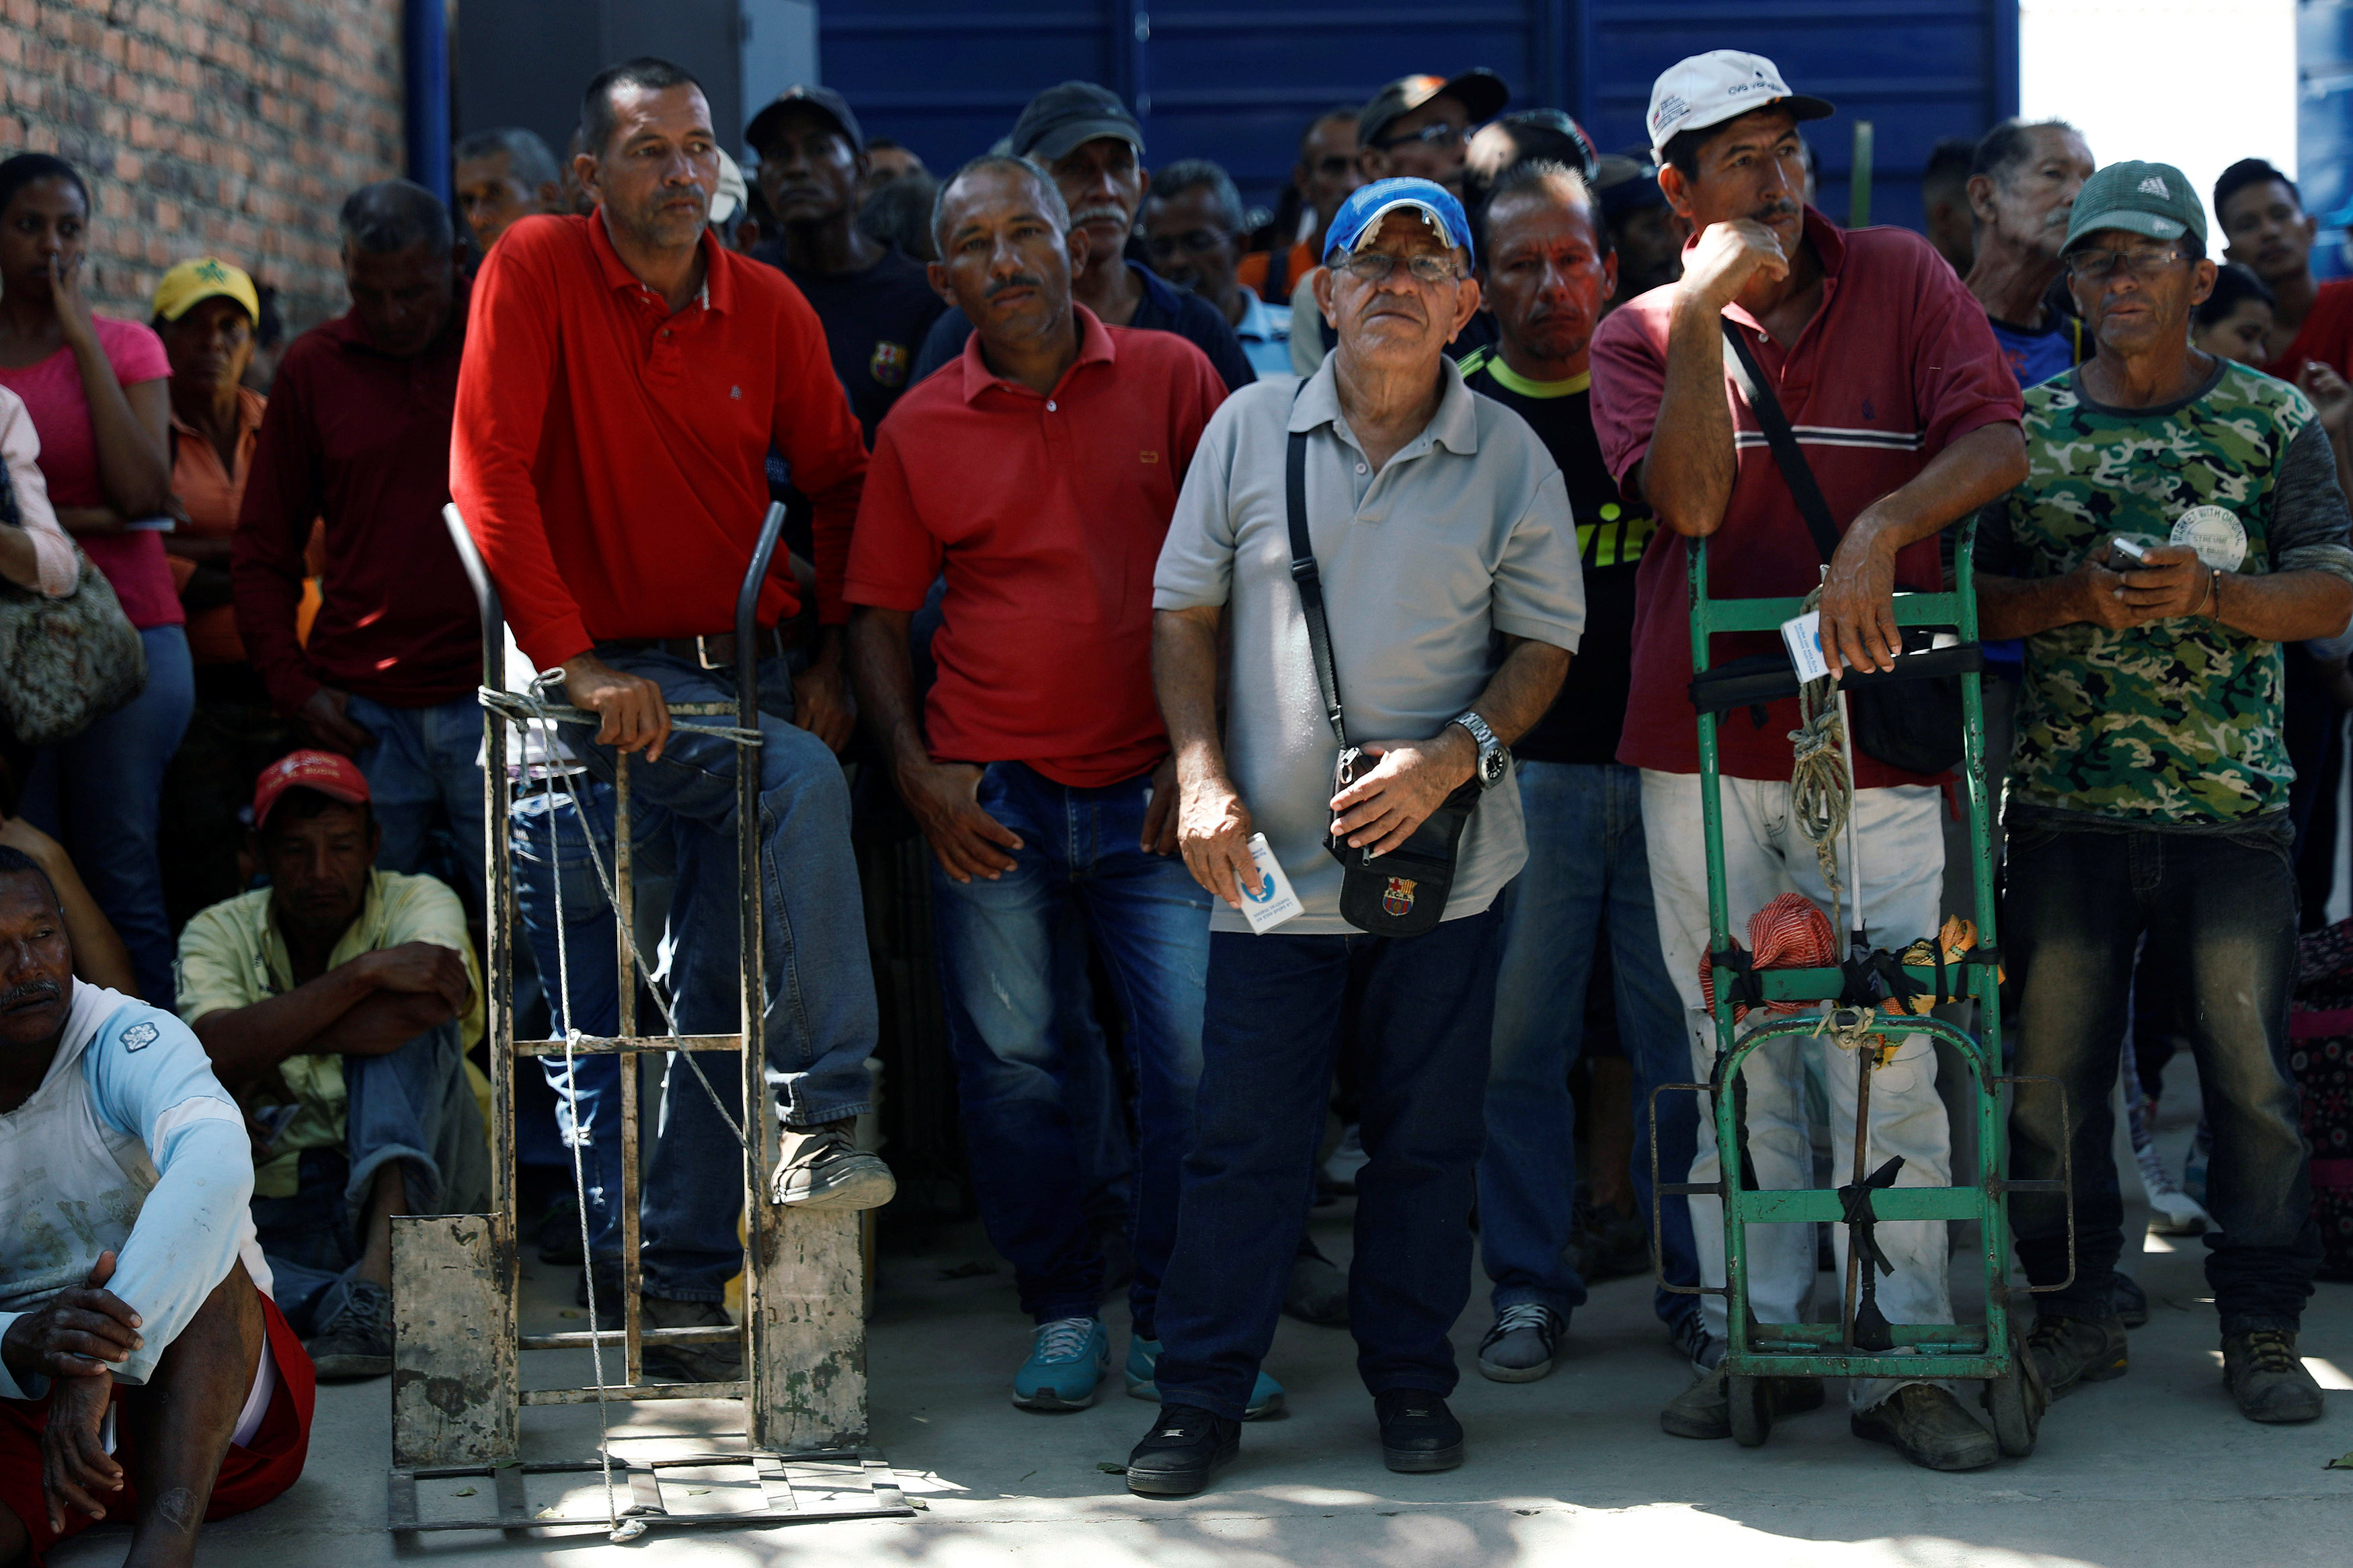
{"x":1019,"y":280}
{"x":1772,"y":210}
{"x":31,"y":990}
{"x":1086,"y":216}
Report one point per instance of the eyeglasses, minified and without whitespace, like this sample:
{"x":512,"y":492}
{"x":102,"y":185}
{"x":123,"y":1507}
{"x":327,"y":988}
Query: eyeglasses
{"x":1377,"y":266}
{"x":1192,"y":242}
{"x":2095,"y":265}
{"x":1332,"y":165}
{"x":1438,"y":136}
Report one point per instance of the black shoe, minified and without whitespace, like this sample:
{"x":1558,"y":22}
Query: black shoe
{"x":1318,"y":1291}
{"x":2131,"y":1300}
{"x":357,"y":1340}
{"x":2268,"y":1378}
{"x":559,"y":1230}
{"x":1186,"y":1446}
{"x":1419,"y":1433}
{"x":2069,"y":1351}
{"x":609,"y":1289}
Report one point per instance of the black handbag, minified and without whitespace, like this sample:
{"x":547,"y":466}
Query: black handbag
{"x":1917,"y":725}
{"x":1403,"y":892}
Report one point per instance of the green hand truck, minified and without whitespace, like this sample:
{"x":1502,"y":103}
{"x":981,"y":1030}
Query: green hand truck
{"x":1862,"y":1343}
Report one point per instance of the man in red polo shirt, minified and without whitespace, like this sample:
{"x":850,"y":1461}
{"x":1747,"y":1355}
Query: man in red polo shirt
{"x":624,"y":377}
{"x":1039,"y":472}
{"x":1908,"y":416}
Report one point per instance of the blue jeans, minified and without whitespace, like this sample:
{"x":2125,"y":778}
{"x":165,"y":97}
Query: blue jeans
{"x":1588,"y":874}
{"x":426,"y":762}
{"x":2219,"y":913}
{"x":1422,"y":1016}
{"x":99,"y":795}
{"x":413,"y":1105}
{"x":1015,"y":1074}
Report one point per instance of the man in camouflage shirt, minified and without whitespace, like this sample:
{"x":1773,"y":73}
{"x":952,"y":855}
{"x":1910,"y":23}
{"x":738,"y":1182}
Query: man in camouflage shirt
{"x":2180,"y":520}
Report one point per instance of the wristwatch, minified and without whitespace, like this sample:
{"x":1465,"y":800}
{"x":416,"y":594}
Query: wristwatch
{"x":1494,"y":757}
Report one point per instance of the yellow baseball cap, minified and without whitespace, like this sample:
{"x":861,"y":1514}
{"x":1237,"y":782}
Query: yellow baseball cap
{"x":191,"y":282}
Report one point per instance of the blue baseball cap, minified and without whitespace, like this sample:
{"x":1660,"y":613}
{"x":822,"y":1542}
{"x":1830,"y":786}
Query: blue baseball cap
{"x":1367,"y":205}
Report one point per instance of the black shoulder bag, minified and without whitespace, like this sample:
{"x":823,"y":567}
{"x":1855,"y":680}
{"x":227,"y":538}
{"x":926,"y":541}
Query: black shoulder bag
{"x":1914,"y":726}
{"x":1403,"y":892}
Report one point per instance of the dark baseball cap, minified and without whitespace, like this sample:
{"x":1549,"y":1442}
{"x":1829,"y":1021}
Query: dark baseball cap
{"x":1064,"y":116}
{"x":823,"y":99}
{"x":1479,"y":90}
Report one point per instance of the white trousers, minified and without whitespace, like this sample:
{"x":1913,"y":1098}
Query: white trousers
{"x":1902,"y":848}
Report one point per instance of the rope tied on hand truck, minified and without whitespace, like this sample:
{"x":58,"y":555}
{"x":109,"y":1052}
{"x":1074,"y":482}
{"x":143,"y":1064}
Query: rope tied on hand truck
{"x":1871,"y":1328}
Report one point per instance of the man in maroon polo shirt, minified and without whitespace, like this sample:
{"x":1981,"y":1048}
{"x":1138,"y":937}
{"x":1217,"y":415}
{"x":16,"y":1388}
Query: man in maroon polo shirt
{"x":1038,"y":472}
{"x":624,"y":377}
{"x":357,"y":435}
{"x":1908,"y":416}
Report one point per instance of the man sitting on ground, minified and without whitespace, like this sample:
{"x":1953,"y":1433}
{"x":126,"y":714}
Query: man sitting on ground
{"x":337,"y":1003}
{"x":131,"y":1282}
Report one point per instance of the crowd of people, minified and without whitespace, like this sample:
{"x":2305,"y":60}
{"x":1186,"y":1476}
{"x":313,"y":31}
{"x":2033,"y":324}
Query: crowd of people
{"x":1284,"y":616}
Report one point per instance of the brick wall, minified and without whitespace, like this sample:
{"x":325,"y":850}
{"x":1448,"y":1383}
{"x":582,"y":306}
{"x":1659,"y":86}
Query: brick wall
{"x":230,"y":127}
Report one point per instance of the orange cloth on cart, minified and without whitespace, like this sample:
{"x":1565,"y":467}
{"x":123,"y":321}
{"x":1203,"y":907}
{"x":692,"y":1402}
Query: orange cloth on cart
{"x":1790,"y":932}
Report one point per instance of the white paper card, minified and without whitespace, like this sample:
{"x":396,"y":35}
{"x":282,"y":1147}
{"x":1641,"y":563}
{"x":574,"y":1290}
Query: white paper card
{"x":1804,"y":637}
{"x":1274,"y":902}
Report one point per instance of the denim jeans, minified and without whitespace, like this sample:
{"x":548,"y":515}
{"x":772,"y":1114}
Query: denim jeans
{"x":2219,"y":913}
{"x":1587,"y":878}
{"x":998,"y":944}
{"x":1422,"y":1014}
{"x":425,"y":764}
{"x":413,"y":1105}
{"x":99,"y":795}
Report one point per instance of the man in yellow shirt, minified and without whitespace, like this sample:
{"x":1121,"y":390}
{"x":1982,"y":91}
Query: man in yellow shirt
{"x":337,"y":1004}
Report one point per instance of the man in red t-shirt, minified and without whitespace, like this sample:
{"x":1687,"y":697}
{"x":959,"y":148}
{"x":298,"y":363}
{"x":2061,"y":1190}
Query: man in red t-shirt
{"x":1908,"y":418}
{"x":624,"y":378}
{"x":1038,"y":471}
{"x":2265,"y":229}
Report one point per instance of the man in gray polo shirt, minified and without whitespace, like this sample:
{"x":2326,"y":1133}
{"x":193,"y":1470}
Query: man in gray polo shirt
{"x":1449,"y":579}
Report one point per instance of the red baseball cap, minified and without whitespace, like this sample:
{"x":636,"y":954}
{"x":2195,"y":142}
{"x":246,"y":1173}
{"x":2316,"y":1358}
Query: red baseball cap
{"x":336,"y":777}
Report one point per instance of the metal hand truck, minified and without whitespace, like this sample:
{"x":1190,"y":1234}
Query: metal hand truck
{"x":457,"y":1390}
{"x":1991,"y":1352}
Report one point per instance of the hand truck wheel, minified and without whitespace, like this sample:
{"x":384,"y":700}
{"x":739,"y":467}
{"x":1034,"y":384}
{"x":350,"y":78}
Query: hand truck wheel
{"x":2016,"y":1400}
{"x":1752,"y":1410}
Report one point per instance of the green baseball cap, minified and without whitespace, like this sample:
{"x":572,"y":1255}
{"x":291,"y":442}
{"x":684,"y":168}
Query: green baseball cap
{"x":2154,"y":199}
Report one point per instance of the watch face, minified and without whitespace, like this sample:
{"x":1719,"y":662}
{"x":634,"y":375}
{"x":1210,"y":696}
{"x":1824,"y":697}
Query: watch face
{"x":1491,"y":765}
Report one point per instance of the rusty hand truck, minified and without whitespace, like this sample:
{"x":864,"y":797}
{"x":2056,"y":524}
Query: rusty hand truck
{"x":456,"y":1390}
{"x":1992,"y":1352}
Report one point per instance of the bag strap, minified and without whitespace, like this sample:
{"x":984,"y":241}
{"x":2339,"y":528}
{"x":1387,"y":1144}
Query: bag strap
{"x":1309,"y":581}
{"x":1795,"y":472}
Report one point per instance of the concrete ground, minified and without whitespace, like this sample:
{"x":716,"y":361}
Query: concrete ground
{"x":2153,"y":1470}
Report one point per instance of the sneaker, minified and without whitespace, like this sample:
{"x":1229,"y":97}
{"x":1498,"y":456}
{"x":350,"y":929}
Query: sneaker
{"x":1704,"y":1409}
{"x":2131,"y":1300}
{"x":357,"y":1340}
{"x":2172,"y":1212}
{"x":822,"y":1168}
{"x":1067,"y":1358}
{"x":1928,"y":1426}
{"x":1419,"y":1433}
{"x":1318,"y":1291}
{"x":1691,"y":1340}
{"x":718,"y":1363}
{"x":2267,"y":1377}
{"x":1186,"y":1446}
{"x":1519,"y":1348}
{"x":2069,"y":1351}
{"x":609,"y":1291}
{"x":1143,"y":1358}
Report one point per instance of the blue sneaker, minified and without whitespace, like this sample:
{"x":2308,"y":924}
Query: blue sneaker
{"x":1143,"y":1355}
{"x":1066,"y":1359}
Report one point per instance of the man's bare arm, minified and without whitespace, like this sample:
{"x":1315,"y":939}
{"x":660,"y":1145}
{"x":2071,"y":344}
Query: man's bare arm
{"x":1213,"y":825}
{"x":1687,"y":474}
{"x":942,"y":796}
{"x":353,"y":1009}
{"x":2279,"y":606}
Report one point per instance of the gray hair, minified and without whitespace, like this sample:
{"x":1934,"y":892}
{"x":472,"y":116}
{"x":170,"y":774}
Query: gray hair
{"x":1050,"y":196}
{"x":2010,"y":144}
{"x":1200,"y":174}
{"x":528,"y":159}
{"x":393,"y":215}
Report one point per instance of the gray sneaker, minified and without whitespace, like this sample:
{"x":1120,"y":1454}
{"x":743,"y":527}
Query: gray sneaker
{"x":688,"y":1364}
{"x":357,"y":1340}
{"x":1519,"y":1348}
{"x":2267,"y":1377}
{"x":822,"y":1168}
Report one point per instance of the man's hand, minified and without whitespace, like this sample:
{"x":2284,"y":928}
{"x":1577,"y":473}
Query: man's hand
{"x":325,"y":714}
{"x":420,"y":968}
{"x":821,"y":703}
{"x":1213,"y":832}
{"x":1381,"y":809}
{"x":76,"y":1333}
{"x":636,"y":718}
{"x":1159,"y":835}
{"x":945,"y":800}
{"x":2332,"y":399}
{"x":77,"y":1472}
{"x":1859,"y":629}
{"x":1727,"y":256}
{"x":2166,"y":582}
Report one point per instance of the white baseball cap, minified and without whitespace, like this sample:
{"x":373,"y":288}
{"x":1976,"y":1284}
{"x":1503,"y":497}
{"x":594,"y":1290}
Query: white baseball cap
{"x":730,"y":197}
{"x":1720,"y":85}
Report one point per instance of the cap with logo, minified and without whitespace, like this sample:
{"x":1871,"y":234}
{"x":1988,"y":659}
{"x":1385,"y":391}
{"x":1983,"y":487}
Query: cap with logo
{"x":824,"y":100}
{"x":2153,"y":199}
{"x":1721,"y":84}
{"x":1064,"y":116}
{"x":1359,"y":217}
{"x":334,"y":777}
{"x":191,"y":283}
{"x":1480,"y":92}
{"x":733,"y":192}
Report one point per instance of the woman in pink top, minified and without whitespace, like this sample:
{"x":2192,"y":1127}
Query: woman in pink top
{"x":95,"y":389}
